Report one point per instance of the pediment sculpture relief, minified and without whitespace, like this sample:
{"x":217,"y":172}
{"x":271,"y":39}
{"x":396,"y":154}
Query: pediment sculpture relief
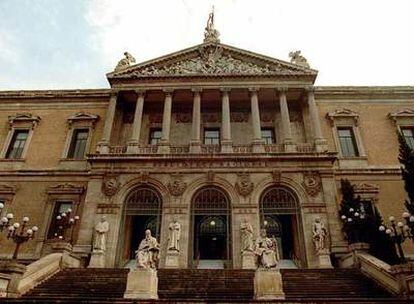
{"x":125,"y":62}
{"x":297,"y":58}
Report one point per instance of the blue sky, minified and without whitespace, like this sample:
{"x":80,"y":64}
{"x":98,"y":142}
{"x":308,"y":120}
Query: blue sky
{"x":52,"y":44}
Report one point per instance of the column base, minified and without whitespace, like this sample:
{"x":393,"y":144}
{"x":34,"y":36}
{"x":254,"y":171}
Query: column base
{"x":132,"y":147}
{"x":258,"y":146}
{"x":289,"y":146}
{"x":142,"y":284}
{"x":248,"y":260}
{"x":97,"y":259}
{"x":195,"y":147}
{"x":102,"y":147}
{"x":268,"y":285}
{"x":164,"y":148}
{"x":321,"y":145}
{"x":172,"y":259}
{"x":226,"y":146}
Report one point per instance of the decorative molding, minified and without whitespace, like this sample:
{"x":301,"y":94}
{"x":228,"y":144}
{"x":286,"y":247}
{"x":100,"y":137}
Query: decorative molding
{"x":83,"y":117}
{"x":110,"y":185}
{"x":366,"y":188}
{"x":403,"y":113}
{"x":312,"y":183}
{"x":66,"y":188}
{"x":143,"y":177}
{"x":244,"y":184}
{"x":27,"y":118}
{"x":276,"y":176}
{"x":210,"y":117}
{"x":176,"y":186}
{"x":342,"y":113}
{"x":7,"y":189}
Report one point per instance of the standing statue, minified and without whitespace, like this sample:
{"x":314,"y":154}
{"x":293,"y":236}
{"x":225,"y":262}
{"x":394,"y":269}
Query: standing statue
{"x":174,"y":235}
{"x":246,"y":231}
{"x":101,"y":229}
{"x":297,"y":58}
{"x":125,"y":62}
{"x":210,"y":33}
{"x":266,"y":250}
{"x":147,"y":253}
{"x":319,"y":234}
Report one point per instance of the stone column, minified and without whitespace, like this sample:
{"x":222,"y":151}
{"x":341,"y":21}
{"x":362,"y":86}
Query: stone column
{"x":195,"y":143}
{"x":226,"y":143}
{"x":133,"y":143}
{"x":257,"y":132}
{"x":286,"y":129}
{"x":103,"y":145}
{"x":164,"y":146}
{"x":320,"y":142}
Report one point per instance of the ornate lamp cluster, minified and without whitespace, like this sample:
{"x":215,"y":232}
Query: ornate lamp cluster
{"x":64,"y":221}
{"x":353,"y":223}
{"x":16,"y":231}
{"x":398,"y":232}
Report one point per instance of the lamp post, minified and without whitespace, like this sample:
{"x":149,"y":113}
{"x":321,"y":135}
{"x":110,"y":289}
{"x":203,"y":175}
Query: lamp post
{"x":353,"y":223}
{"x":64,"y":221}
{"x":399,"y":232}
{"x":16,"y":231}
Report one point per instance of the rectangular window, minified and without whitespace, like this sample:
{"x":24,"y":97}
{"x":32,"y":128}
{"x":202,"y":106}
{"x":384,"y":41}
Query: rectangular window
{"x":17,"y":144}
{"x":60,"y":206}
{"x":408,"y":134}
{"x":347,"y":142}
{"x":211,"y":136}
{"x":268,"y":135}
{"x":77,"y":146}
{"x":155,"y":136}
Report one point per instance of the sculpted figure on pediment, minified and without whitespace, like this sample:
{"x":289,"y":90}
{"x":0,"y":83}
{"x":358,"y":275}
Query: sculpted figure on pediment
{"x":297,"y":58}
{"x":125,"y":62}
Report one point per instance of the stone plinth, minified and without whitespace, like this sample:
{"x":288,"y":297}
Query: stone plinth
{"x":405,"y":277}
{"x":142,"y":284}
{"x":172,"y":259}
{"x":248,"y":260}
{"x":97,"y":259}
{"x":324,"y":259}
{"x":11,"y":273}
{"x":268,"y":285}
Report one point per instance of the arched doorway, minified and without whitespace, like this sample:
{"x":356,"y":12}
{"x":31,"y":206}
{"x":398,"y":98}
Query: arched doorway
{"x":142,"y":211}
{"x":211,"y":221}
{"x":279,"y":215}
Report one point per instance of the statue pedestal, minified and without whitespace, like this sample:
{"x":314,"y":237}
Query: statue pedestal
{"x":142,"y":284}
{"x":11,"y":273}
{"x":248,"y":260}
{"x":268,"y":285}
{"x":324,"y":259}
{"x":97,"y":259}
{"x":172,"y":259}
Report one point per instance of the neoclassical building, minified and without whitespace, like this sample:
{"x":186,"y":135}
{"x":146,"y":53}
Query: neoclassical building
{"x":210,"y":136}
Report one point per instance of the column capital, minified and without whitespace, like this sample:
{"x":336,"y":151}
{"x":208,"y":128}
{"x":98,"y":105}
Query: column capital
{"x":225,"y":89}
{"x":197,"y":90}
{"x":140,"y":92}
{"x":310,"y":89}
{"x":282,"y":89}
{"x":254,"y":89}
{"x":114,"y":93}
{"x":168,"y":91}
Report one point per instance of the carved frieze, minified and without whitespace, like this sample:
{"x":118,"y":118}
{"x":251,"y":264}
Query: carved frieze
{"x":110,"y":185}
{"x":183,"y":117}
{"x":244,"y":184}
{"x":176,"y":186}
{"x":66,"y":188}
{"x":312,"y":183}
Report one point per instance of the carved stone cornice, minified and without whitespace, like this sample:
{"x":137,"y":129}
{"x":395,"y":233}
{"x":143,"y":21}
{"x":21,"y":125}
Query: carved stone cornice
{"x":23,"y":118}
{"x":66,"y":188}
{"x":342,"y":113}
{"x":83,"y":117}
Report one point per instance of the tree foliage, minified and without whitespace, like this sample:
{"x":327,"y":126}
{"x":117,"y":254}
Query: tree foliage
{"x":406,"y":158}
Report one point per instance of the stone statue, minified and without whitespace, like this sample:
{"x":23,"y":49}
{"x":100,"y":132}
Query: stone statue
{"x":210,"y":33}
{"x":297,"y":58}
{"x":174,"y":235}
{"x":319,"y":234}
{"x":147,"y":253}
{"x":246,"y":231}
{"x":101,"y":229}
{"x":266,"y":250}
{"x":125,"y":62}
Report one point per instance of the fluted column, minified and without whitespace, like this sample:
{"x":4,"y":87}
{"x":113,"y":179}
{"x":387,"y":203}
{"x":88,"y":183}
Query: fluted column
{"x":195,"y":143}
{"x":320,"y":142}
{"x":103,"y":145}
{"x":133,"y":143}
{"x":257,"y":131}
{"x":286,"y":128}
{"x":164,"y":146}
{"x":226,"y":143}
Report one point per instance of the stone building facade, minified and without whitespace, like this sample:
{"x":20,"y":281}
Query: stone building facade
{"x":210,"y":136}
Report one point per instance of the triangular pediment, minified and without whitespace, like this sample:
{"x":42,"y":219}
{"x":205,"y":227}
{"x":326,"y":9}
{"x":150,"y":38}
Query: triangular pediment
{"x":212,"y":60}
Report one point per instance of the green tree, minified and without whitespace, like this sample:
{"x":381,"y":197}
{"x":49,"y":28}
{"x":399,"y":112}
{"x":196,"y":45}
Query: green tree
{"x":406,"y":158}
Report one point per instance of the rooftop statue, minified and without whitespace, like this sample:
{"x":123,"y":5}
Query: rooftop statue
{"x":211,"y":35}
{"x":125,"y":62}
{"x":297,"y":58}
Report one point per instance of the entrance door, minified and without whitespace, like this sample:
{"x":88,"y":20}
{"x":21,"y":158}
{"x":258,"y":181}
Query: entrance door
{"x":211,"y":240}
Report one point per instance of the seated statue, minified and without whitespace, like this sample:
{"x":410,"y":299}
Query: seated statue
{"x":147,"y":253}
{"x":266,"y":251}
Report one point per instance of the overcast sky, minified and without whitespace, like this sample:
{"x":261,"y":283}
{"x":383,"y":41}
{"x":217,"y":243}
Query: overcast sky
{"x":52,"y":44}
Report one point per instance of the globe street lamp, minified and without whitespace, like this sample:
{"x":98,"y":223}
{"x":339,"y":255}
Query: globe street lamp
{"x":18,"y":232}
{"x":353,"y":222}
{"x":399,"y":232}
{"x":64,"y":221}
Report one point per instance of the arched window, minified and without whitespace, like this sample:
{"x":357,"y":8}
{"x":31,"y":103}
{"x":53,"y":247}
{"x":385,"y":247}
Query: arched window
{"x":210,"y":200}
{"x":278,"y":200}
{"x":143,"y":201}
